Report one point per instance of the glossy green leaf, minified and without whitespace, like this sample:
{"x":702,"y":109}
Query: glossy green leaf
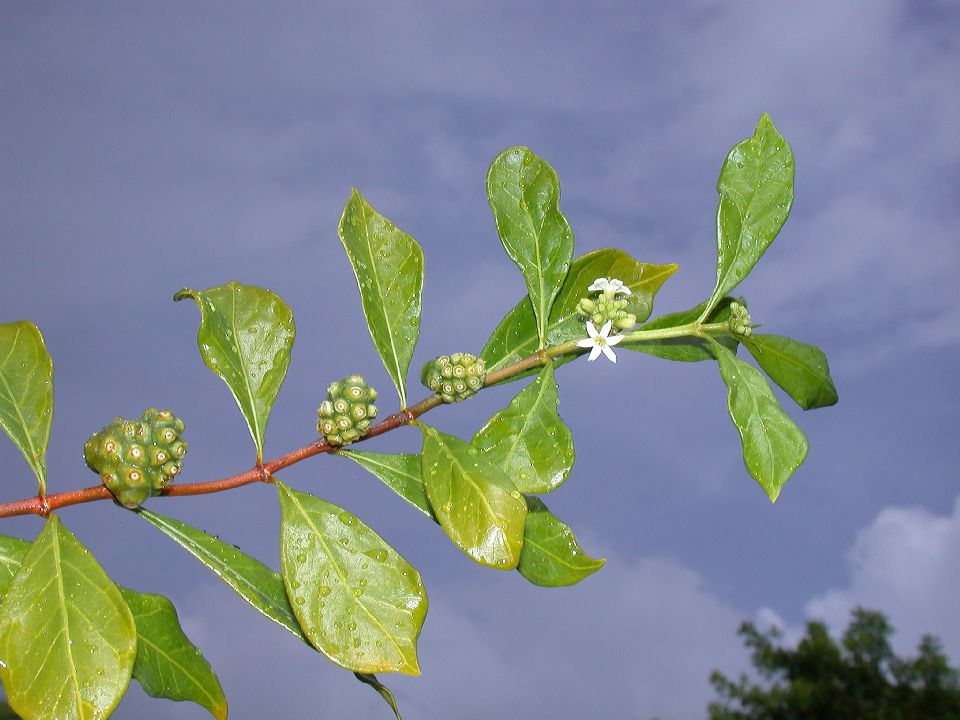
{"x":388,"y":264}
{"x":358,"y":601}
{"x":554,"y":559}
{"x":800,"y":369}
{"x":756,"y":194}
{"x":524,"y":195}
{"x":400,"y":472}
{"x":12,"y":552}
{"x":382,"y":690}
{"x":686,"y":349}
{"x":245,"y":575}
{"x":168,"y":665}
{"x":551,"y":555}
{"x":476,"y":504}
{"x":67,"y":638}
{"x":516,"y":335}
{"x":527,"y":440}
{"x":773,"y":445}
{"x":253,"y":581}
{"x":246,"y":334}
{"x":26,"y":393}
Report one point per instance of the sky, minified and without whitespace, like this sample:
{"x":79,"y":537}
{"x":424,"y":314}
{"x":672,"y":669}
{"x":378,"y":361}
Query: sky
{"x":147,"y":147}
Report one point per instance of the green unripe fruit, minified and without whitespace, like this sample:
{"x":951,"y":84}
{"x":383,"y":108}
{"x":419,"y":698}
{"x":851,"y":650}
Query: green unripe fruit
{"x":346,"y":413}
{"x":454,"y":377}
{"x":137,"y":458}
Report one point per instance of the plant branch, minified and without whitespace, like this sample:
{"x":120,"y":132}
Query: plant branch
{"x":43,"y":505}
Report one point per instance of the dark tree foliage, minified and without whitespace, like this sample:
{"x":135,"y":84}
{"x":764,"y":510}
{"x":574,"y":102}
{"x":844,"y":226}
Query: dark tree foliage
{"x":857,"y":678}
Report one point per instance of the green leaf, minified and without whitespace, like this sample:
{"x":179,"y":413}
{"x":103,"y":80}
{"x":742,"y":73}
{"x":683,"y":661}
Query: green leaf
{"x":383,"y":690}
{"x":26,"y":393}
{"x":401,"y":473}
{"x":527,"y":440}
{"x":67,"y":638}
{"x":168,"y":665}
{"x":686,"y":349}
{"x":756,"y":194}
{"x":773,"y":445}
{"x":800,"y":369}
{"x":12,"y":552}
{"x":551,"y":555}
{"x":475,"y":503}
{"x":245,"y":575}
{"x":516,"y":335}
{"x":256,"y":583}
{"x":245,"y":337}
{"x":358,"y":601}
{"x":524,"y":194}
{"x":388,"y":264}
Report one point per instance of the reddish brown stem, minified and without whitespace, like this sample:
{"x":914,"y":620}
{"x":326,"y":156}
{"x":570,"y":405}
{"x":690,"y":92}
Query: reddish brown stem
{"x":44,"y":504}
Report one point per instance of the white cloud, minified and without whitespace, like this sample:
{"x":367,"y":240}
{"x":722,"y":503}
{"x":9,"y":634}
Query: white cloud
{"x":906,"y":563}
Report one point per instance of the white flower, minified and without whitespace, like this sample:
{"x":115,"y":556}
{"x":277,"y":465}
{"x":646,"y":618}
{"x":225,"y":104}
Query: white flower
{"x":610,"y":287}
{"x":600,"y":342}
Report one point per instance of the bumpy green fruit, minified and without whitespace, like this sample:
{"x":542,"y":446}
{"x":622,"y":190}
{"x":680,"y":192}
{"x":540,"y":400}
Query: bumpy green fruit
{"x":599,"y":310}
{"x":137,"y":458}
{"x":346,"y":413}
{"x":454,"y":377}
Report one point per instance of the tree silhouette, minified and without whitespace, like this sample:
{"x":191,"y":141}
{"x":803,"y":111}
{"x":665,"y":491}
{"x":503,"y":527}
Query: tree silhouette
{"x":857,"y":678}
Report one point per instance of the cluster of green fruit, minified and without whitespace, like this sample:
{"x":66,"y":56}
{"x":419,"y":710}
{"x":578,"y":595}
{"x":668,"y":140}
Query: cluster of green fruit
{"x":137,"y":458}
{"x":454,"y":377}
{"x":346,"y":413}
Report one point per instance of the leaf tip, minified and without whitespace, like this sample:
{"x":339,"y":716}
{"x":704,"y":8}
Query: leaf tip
{"x":184,"y":293}
{"x":514,"y":152}
{"x":411,"y":666}
{"x":831,"y":397}
{"x":220,"y":710}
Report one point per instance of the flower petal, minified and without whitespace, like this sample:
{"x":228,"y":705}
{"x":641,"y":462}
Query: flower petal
{"x":586,"y":343}
{"x":595,"y":353}
{"x":605,"y":330}
{"x":611,"y":355}
{"x":592,"y":329}
{"x":614,"y":339}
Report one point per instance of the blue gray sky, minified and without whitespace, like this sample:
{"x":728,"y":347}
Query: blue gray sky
{"x":151,"y":146}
